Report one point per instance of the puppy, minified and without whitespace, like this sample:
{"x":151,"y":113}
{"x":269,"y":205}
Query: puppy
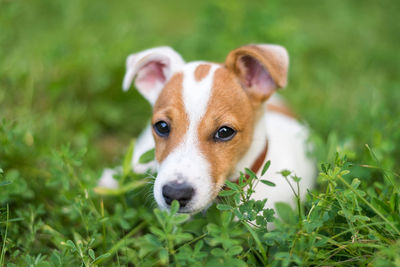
{"x":212,"y":120}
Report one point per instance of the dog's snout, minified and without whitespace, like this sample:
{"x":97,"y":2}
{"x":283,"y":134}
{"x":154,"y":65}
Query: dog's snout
{"x":182,"y":192}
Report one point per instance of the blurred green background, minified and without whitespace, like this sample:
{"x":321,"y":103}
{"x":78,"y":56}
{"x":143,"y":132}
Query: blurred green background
{"x":62,"y":64}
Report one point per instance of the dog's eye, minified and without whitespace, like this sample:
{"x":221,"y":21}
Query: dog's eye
{"x":161,"y":128}
{"x":224,"y":133}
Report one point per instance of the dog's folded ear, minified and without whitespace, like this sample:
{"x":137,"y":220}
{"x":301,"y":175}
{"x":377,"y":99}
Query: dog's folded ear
{"x":261,"y":69}
{"x":152,"y":68}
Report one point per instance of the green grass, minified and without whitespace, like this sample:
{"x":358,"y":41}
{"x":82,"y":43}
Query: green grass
{"x":64,"y":117}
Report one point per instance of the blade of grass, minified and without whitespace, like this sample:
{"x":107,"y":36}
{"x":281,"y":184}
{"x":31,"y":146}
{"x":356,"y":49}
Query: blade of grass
{"x":385,"y":173}
{"x":126,"y":165}
{"x":3,"y":248}
{"x":122,"y":242}
{"x":122,"y":190}
{"x":368,"y":204}
{"x":258,"y":242}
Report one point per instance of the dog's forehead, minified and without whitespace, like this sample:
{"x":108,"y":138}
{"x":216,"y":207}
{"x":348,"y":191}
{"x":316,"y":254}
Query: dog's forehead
{"x":189,"y":88}
{"x":198,"y":79}
{"x":192,"y":86}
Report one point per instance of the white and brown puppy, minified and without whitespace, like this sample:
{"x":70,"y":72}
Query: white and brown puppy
{"x":210,"y":121}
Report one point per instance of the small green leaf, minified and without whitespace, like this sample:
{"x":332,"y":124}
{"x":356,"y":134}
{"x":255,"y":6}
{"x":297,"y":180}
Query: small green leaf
{"x":198,"y":246}
{"x":55,"y":258}
{"x":251,"y":174}
{"x":269,"y":214}
{"x":361,"y":218}
{"x":174,"y":207}
{"x":344,"y":172}
{"x":285,"y":173}
{"x":285,"y":212}
{"x":225,"y":193}
{"x":182,"y":237}
{"x":158,"y":232}
{"x":163,"y":256}
{"x":269,"y":183}
{"x":223,"y":207}
{"x":218,"y":252}
{"x":99,"y":258}
{"x":213,"y":229}
{"x":91,"y":254}
{"x":237,"y":199}
{"x":242,"y":180}
{"x":266,"y":167}
{"x":234,"y":250}
{"x":147,"y":156}
{"x":246,"y":207}
{"x":296,"y":179}
{"x":259,"y":205}
{"x":226,"y":218}
{"x":355,"y":183}
{"x":160,"y":215}
{"x":232,"y":186}
{"x":260,"y":220}
{"x":238,"y":214}
{"x":180,"y":218}
{"x":71,"y":245}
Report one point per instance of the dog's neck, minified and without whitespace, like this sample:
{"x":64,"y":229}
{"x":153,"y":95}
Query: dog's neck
{"x":256,"y":152}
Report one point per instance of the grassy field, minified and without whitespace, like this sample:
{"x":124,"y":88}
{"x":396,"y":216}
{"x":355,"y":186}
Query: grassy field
{"x":64,"y":117}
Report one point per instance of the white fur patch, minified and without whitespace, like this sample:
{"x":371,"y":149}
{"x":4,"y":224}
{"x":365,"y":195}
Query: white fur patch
{"x":196,"y":94}
{"x":107,"y":180}
{"x":287,"y":150}
{"x":186,"y":163}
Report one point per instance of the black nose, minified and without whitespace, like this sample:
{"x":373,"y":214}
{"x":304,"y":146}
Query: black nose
{"x":182,"y":192}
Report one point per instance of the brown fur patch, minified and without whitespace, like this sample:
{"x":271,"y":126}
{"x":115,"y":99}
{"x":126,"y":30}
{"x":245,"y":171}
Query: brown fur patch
{"x":201,"y":71}
{"x":283,"y":109}
{"x":229,"y":106}
{"x":170,"y":108}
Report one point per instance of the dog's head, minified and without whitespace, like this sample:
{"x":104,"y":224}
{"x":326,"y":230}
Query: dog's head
{"x":204,"y":115}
